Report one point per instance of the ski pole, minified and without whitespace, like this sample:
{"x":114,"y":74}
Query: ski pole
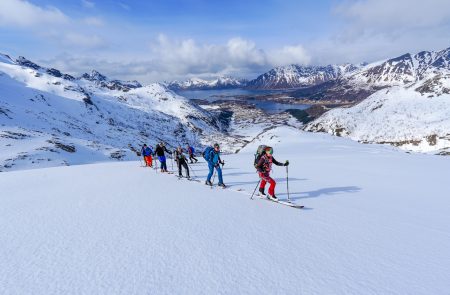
{"x":156,"y":165}
{"x":287,"y":182}
{"x":193,"y":172}
{"x":214,"y":176}
{"x":171,"y":160}
{"x":251,"y":198}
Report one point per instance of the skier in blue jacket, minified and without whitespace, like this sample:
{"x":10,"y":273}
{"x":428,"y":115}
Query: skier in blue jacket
{"x":214,"y":161}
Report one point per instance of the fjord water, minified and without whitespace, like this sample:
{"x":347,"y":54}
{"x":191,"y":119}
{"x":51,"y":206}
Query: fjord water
{"x":243,"y":95}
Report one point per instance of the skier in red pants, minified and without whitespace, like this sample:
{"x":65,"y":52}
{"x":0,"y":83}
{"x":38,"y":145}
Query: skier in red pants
{"x":264,"y":167}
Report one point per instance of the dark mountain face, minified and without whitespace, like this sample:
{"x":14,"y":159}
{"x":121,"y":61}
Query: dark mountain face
{"x":400,"y":71}
{"x":27,"y":63}
{"x":200,"y":84}
{"x":103,"y":81}
{"x":297,"y":76}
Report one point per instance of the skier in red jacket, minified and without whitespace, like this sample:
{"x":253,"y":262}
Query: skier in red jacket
{"x":264,"y":167}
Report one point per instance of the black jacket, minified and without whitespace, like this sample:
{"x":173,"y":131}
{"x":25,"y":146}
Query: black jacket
{"x":160,"y":150}
{"x":179,"y":156}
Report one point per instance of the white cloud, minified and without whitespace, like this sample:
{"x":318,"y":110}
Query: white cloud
{"x":371,"y":30}
{"x":124,"y":6}
{"x":237,"y":56}
{"x":168,"y":59}
{"x":289,"y":55}
{"x":88,"y":4}
{"x":86,"y":41}
{"x":93,"y":21}
{"x":380,"y":15}
{"x":25,"y":14}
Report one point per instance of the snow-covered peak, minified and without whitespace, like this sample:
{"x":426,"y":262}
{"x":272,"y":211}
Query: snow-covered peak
{"x":4,"y":58}
{"x":94,"y":76}
{"x":201,"y":84}
{"x":103,"y":81}
{"x":295,"y":76}
{"x":27,"y":63}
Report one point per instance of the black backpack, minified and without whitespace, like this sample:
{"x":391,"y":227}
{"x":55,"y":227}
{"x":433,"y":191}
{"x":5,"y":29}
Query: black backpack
{"x":259,"y":154}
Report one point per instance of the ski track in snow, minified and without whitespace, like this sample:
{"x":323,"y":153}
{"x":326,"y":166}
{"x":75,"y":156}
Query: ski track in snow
{"x":376,"y":222}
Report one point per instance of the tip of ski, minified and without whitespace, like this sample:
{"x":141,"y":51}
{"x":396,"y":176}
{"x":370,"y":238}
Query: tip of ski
{"x":285,"y":203}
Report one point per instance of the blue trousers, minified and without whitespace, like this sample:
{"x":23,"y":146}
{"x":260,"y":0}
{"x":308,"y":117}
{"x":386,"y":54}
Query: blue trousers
{"x":211,"y":171}
{"x":162,"y":159}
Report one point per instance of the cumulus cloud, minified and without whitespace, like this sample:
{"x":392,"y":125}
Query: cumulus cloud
{"x":168,"y":59}
{"x":25,"y":14}
{"x":236,"y":56}
{"x":51,"y":24}
{"x":289,"y":55}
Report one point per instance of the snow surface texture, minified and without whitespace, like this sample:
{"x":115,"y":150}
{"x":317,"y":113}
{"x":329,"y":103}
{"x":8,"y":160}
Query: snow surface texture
{"x":49,"y":119}
{"x":375,"y":223}
{"x":415,"y":118}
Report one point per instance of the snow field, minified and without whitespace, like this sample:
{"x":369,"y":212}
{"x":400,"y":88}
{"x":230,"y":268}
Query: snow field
{"x":376,"y":222}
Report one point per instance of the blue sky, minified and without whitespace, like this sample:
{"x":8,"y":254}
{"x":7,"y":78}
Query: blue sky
{"x":164,"y":40}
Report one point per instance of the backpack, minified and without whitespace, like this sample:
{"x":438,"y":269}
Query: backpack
{"x":259,"y":154}
{"x":207,"y":153}
{"x":192,"y":150}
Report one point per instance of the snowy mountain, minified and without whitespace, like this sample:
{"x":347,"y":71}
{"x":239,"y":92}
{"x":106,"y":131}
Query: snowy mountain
{"x":412,"y":110}
{"x":296,"y":76}
{"x":48,"y":118}
{"x":200,"y":84}
{"x":357,"y":85}
{"x":102,"y":81}
{"x":376,"y":222}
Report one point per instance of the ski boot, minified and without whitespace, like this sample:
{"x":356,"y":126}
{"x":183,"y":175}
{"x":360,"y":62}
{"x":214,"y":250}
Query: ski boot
{"x":272,"y":197}
{"x":261,"y":192}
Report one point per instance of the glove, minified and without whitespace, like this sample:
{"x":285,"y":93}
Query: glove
{"x":223,"y":163}
{"x":286,"y":163}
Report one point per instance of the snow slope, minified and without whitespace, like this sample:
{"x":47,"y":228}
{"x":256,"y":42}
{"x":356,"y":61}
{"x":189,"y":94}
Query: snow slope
{"x":415,"y":118}
{"x":48,"y":118}
{"x":374,"y":223}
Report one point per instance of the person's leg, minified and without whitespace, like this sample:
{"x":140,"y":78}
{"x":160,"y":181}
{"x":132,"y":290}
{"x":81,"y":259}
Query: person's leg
{"x":272,"y":186}
{"x":219,"y":174}
{"x":179,"y":168}
{"x":186,"y":168}
{"x":151,"y":161}
{"x":211,"y":171}
{"x":262,"y":185}
{"x":165,"y":165}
